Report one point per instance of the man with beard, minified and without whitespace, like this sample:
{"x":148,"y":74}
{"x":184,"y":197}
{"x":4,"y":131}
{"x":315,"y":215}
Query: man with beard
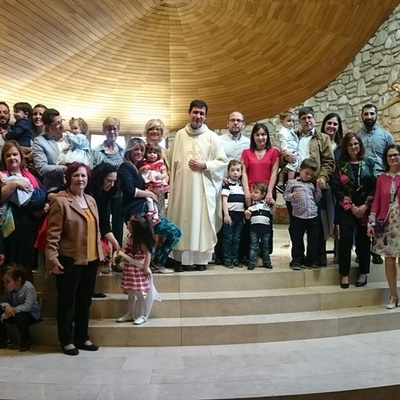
{"x":233,"y":141}
{"x":4,"y":120}
{"x":197,"y":165}
{"x":375,"y":139}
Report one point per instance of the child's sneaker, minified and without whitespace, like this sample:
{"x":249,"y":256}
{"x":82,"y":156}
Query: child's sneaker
{"x":296,"y":266}
{"x":25,"y":345}
{"x":140,"y":320}
{"x":268,"y":265}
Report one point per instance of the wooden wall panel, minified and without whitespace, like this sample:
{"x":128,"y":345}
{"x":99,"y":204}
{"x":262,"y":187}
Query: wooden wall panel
{"x":139,"y":59}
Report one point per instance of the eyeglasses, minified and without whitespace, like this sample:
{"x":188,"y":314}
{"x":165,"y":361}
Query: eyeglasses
{"x":111,"y":128}
{"x":58,"y":123}
{"x":393,"y":155}
{"x":235,"y":120}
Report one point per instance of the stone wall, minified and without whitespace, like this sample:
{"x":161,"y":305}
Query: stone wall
{"x":367,"y":79}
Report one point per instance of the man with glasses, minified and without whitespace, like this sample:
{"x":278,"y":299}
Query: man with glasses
{"x":316,"y":145}
{"x":234,"y":142}
{"x":375,"y":139}
{"x":46,"y":149}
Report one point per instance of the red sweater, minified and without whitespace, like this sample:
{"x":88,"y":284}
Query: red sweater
{"x":380,"y":205}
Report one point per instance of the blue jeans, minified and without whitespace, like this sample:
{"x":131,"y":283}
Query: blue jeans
{"x":172,"y":234}
{"x":231,"y":239}
{"x":259,"y":240}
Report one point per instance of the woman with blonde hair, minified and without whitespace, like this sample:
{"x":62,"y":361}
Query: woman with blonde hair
{"x":134,"y":202}
{"x":154,"y":131}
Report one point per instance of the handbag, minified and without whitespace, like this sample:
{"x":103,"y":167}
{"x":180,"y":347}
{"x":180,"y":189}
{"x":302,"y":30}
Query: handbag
{"x":380,"y":226}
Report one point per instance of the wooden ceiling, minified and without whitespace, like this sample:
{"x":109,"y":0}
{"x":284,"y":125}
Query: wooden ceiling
{"x":142,"y":59}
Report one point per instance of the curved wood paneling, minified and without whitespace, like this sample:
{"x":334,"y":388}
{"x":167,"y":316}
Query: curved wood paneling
{"x":139,"y":59}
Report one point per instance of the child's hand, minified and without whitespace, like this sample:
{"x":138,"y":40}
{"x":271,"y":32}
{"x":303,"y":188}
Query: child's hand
{"x":147,"y":271}
{"x":9,"y":311}
{"x":228,"y":220}
{"x":3,"y":178}
{"x":247,"y":214}
{"x":297,"y":195}
{"x":46,"y":208}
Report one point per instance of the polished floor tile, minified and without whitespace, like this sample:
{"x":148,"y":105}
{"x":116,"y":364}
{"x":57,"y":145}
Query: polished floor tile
{"x":203,"y":372}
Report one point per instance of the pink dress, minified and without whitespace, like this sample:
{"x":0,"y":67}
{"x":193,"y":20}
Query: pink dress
{"x":155,"y":170}
{"x":133,"y":278}
{"x":259,"y":170}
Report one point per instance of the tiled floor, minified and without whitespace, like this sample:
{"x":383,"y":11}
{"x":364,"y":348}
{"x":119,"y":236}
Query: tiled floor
{"x":205,"y":372}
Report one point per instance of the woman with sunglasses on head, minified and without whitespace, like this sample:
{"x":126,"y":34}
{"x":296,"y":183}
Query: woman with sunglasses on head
{"x":384,"y":223}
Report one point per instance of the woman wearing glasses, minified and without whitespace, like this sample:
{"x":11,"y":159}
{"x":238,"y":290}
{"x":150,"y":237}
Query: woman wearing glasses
{"x":384,"y":223}
{"x":353,"y":185}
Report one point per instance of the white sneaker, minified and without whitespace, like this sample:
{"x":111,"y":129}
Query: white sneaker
{"x":162,"y":270}
{"x":140,"y":320}
{"x":125,"y":318}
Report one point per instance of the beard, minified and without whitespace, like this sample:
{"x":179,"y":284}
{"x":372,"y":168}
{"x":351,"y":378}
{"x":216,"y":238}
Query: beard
{"x":370,"y":122}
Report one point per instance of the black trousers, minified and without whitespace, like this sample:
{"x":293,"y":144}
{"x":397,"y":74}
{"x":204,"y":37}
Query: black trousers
{"x":347,"y":233}
{"x":22,"y":320}
{"x":117,"y":219}
{"x":75,"y":289}
{"x":298,"y":227}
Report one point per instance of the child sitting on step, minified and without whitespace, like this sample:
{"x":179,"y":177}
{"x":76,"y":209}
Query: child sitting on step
{"x":19,"y":306}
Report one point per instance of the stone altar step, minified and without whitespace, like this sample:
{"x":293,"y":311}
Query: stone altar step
{"x":232,"y":329}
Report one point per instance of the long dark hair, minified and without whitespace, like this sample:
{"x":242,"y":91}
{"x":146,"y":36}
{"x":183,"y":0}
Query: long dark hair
{"x":339,"y":134}
{"x":142,"y":233}
{"x":255,"y":129}
{"x":95,"y":186}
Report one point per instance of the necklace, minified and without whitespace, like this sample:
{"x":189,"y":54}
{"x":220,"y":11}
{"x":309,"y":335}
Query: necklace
{"x":393,"y":174}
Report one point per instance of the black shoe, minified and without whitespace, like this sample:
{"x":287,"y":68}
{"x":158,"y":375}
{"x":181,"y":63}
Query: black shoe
{"x":70,"y":352}
{"x":218,"y":261}
{"x":178,"y":267}
{"x":25,"y":345}
{"x":321,"y":264}
{"x":98,"y":296}
{"x":268,"y":266}
{"x":251,"y":267}
{"x":376,"y":259}
{"x":201,"y":267}
{"x":344,"y":285}
{"x":361,"y":284}
{"x":87,"y":347}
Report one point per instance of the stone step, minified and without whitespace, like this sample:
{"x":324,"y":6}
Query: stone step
{"x":218,"y":278}
{"x":231,"y":329}
{"x":252,"y":302}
